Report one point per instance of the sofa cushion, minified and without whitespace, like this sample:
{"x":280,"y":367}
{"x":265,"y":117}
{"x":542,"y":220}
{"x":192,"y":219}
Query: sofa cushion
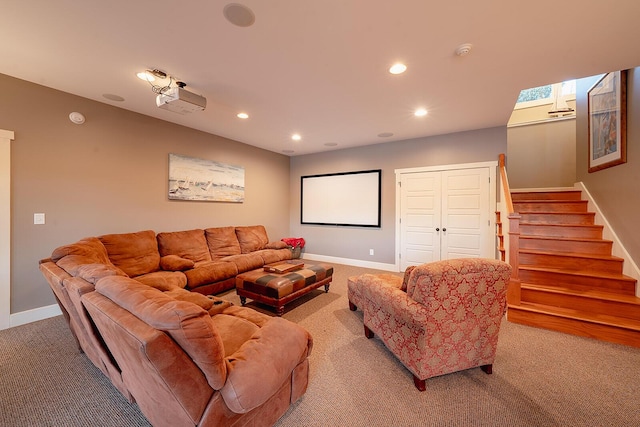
{"x":188,"y":324}
{"x":90,"y":247}
{"x":134,"y":253}
{"x":276,"y":245}
{"x":274,"y":255}
{"x":245,"y":262}
{"x":252,"y":238}
{"x":189,"y":244}
{"x":222,"y":242}
{"x":192,"y":297}
{"x":175,"y":263}
{"x":234,"y":331}
{"x":94,"y":272}
{"x":163,"y":280}
{"x":210,"y":272}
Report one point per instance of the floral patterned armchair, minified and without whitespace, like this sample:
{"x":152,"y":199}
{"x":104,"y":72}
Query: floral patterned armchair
{"x":439,"y":318}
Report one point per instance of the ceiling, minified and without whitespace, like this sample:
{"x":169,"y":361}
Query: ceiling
{"x":319,"y":68}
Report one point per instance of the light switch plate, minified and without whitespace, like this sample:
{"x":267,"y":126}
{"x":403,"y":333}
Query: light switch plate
{"x":38,"y":218}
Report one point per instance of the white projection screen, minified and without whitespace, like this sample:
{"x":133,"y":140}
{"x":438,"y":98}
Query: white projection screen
{"x":347,"y":199}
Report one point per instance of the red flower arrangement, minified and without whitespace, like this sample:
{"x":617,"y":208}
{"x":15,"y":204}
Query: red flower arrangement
{"x":295,"y":242}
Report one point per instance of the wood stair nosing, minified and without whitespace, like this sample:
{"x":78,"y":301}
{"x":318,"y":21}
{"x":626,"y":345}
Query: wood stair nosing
{"x":541,"y":217}
{"x":547,"y":195}
{"x":626,"y":333}
{"x":566,"y":244}
{"x":571,"y":261}
{"x":561,"y":230}
{"x":592,"y":301}
{"x":577,"y":280}
{"x":550,"y":206}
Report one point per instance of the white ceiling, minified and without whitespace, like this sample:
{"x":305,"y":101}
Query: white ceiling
{"x":319,"y":68}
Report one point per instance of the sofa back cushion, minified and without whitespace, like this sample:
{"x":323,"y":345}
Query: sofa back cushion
{"x":189,"y":244}
{"x":252,"y":238}
{"x":134,"y":253}
{"x":89,"y":247}
{"x":187,"y":323}
{"x":222,"y":242}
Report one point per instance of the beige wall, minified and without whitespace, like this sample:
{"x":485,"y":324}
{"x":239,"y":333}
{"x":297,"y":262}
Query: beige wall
{"x":542,"y":155}
{"x":355,"y":242}
{"x":614,"y":189}
{"x":110,"y":176}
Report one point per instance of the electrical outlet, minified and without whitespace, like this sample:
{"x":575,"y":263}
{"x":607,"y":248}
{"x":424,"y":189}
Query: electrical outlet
{"x":370,"y":251}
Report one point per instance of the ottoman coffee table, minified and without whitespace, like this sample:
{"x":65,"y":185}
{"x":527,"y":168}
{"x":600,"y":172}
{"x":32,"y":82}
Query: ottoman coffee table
{"x":280,"y":283}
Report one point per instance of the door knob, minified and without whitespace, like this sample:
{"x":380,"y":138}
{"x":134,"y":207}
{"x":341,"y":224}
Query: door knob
{"x":438,"y":229}
{"x":444,"y":229}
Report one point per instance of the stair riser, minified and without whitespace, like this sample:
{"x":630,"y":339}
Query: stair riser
{"x":578,"y":283}
{"x":547,"y":195}
{"x":599,"y":247}
{"x":591,"y":305}
{"x":572,"y":263}
{"x":575,"y":327}
{"x":586,"y":218}
{"x":558,"y":206}
{"x":584,"y":232}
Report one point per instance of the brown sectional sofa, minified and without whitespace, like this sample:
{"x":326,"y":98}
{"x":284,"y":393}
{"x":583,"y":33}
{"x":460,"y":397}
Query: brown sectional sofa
{"x":183,"y":357}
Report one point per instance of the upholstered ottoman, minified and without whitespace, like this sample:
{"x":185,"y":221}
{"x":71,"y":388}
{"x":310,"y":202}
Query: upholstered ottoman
{"x":277,"y":289}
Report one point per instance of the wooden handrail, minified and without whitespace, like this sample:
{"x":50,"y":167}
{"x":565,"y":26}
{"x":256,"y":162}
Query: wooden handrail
{"x":505,"y":184}
{"x":513,"y":291}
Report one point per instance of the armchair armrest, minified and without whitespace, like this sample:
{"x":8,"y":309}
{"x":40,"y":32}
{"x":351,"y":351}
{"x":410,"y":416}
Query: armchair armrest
{"x":393,"y":300}
{"x":263,"y":363}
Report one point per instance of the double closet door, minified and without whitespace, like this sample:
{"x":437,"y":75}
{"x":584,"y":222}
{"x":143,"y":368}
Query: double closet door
{"x":446,"y":214}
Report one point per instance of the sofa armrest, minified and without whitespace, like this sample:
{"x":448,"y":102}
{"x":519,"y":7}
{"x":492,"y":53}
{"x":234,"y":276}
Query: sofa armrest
{"x":175,"y":263}
{"x":391,"y":299}
{"x":263,"y":363}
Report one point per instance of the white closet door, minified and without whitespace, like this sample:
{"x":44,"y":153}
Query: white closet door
{"x":465,"y":214}
{"x":420,"y":203}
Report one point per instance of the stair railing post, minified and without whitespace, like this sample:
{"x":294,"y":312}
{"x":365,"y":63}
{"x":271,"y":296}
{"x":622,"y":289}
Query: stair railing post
{"x":513,"y":292}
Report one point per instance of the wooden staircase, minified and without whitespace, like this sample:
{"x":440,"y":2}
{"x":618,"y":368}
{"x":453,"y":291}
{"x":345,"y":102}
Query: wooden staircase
{"x":569,"y":280}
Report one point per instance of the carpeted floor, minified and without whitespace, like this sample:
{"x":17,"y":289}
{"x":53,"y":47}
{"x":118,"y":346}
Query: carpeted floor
{"x":541,"y":378}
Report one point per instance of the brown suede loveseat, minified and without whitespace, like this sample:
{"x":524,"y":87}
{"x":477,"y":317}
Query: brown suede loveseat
{"x":113,"y":289}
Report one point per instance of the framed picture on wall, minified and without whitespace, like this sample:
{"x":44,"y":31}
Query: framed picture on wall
{"x":607,"y":117}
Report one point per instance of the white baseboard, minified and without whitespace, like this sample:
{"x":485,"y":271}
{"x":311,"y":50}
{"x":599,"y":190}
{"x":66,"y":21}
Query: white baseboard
{"x":352,"y":262}
{"x":35,"y":314}
{"x":629,"y":266}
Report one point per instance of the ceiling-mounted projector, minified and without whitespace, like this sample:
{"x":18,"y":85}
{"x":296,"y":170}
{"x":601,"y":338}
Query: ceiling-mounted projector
{"x":180,"y":100}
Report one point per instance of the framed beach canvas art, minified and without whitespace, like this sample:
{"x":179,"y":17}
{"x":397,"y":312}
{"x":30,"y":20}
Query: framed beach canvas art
{"x":607,"y":115}
{"x":191,"y":178}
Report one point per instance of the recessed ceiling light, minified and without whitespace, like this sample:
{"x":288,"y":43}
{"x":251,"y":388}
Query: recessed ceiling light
{"x":242,"y":115}
{"x":112,"y":97}
{"x":420,"y":112}
{"x":398,"y":68}
{"x":239,"y":15}
{"x":464,"y":49}
{"x":385,"y":134}
{"x":296,"y":137}
{"x":146,"y":76}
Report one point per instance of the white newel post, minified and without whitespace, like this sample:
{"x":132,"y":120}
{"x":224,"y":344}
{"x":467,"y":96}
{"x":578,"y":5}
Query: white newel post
{"x":5,"y":228}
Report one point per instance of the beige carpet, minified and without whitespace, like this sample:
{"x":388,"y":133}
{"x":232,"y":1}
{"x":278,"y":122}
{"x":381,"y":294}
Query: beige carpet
{"x":541,"y":378}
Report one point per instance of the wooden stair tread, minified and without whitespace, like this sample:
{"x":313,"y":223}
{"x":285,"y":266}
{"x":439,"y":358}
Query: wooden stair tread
{"x":564,"y":239}
{"x":602,"y":275}
{"x":591,"y":293}
{"x":548,"y":224}
{"x":569,"y":313}
{"x":571,"y":254}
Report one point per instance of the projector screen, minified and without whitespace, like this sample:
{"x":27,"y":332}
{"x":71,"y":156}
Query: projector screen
{"x":348,"y":199}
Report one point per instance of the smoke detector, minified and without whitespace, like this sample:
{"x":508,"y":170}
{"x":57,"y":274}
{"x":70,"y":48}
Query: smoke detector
{"x":464,"y":49}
